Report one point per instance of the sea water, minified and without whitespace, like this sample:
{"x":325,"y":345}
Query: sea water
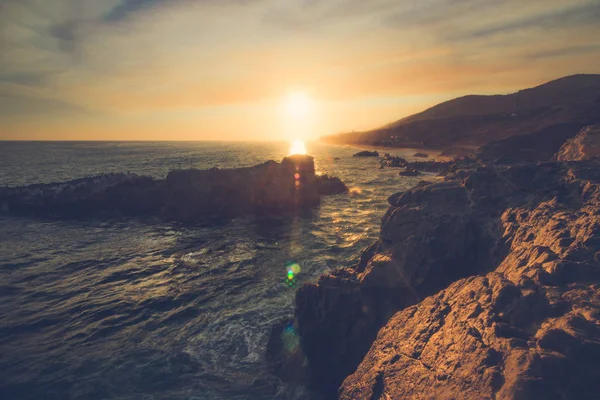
{"x":145,"y":309}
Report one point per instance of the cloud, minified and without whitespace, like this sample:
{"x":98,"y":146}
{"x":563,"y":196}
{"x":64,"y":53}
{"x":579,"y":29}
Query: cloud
{"x":25,"y":79}
{"x":576,"y":15}
{"x":160,"y":57}
{"x":18,"y":106}
{"x":128,"y":7}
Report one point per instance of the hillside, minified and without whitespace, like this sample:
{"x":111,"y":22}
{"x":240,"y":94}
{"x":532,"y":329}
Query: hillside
{"x":536,"y":120}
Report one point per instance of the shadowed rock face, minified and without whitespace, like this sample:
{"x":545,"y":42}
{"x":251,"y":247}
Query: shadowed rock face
{"x":185,"y":195}
{"x":367,"y":153}
{"x":510,"y":260}
{"x":584,"y":146}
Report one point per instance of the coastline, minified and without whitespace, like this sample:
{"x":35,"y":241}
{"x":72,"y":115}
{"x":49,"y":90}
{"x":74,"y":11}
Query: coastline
{"x":433,"y":154}
{"x":499,"y":257}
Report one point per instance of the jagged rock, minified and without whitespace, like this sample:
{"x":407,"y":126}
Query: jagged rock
{"x":185,"y":195}
{"x":327,"y":185}
{"x":421,"y":155}
{"x":522,"y":246}
{"x":584,"y":146}
{"x":393,"y":162}
{"x":367,"y":153}
{"x":528,"y":330}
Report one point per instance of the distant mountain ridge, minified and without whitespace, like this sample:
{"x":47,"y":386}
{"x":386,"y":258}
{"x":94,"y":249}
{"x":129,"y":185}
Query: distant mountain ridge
{"x":531,"y":123}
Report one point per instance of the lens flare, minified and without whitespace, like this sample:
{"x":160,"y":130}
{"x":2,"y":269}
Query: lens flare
{"x":292,"y":270}
{"x":290,"y":339}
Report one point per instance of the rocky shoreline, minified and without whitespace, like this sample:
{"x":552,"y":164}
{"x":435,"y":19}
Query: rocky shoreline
{"x":484,"y":286}
{"x":185,"y":195}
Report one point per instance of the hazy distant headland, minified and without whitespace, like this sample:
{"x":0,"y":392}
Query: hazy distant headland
{"x":529,"y":124}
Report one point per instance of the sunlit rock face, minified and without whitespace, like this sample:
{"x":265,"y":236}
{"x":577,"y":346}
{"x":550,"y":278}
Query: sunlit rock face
{"x":584,"y":146}
{"x":185,"y":195}
{"x":485,"y":286}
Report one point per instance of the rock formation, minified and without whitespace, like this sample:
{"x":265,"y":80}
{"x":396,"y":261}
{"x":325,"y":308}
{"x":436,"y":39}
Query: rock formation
{"x":185,"y":195}
{"x":485,"y":286}
{"x":421,"y":155}
{"x":327,"y":185}
{"x":584,"y":146}
{"x":409,"y":171}
{"x":367,"y":153}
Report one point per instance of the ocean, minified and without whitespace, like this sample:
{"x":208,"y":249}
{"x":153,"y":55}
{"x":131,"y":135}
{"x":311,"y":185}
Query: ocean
{"x":146,"y":309}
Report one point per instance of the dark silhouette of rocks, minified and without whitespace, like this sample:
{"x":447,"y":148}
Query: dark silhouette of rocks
{"x":485,"y":286}
{"x":185,"y":195}
{"x":328,"y":185}
{"x":393,"y":162}
{"x":439,"y":167}
{"x":421,"y":155}
{"x":366,"y":153}
{"x":531,"y":124}
{"x":409,"y":171}
{"x":584,"y":146}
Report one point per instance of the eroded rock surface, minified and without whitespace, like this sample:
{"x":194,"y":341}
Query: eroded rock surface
{"x":584,"y":146}
{"x":491,"y":281}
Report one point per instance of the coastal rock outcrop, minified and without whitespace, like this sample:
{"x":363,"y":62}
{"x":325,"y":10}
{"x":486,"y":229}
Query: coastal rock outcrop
{"x":367,"y":153}
{"x":584,"y":146}
{"x":327,"y":185}
{"x":486,"y":286}
{"x":409,"y":171}
{"x":185,"y":195}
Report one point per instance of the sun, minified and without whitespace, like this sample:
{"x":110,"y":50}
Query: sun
{"x":298,"y":105}
{"x":297,"y":147}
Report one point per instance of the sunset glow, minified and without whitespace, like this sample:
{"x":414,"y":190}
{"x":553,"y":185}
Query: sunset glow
{"x":298,"y":106}
{"x":239,"y":70}
{"x":297,"y":147}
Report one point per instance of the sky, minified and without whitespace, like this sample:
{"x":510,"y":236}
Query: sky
{"x":270,"y":69}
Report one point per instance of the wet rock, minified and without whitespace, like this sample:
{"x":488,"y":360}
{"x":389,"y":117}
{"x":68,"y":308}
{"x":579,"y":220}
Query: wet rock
{"x":366,"y":153}
{"x":328,"y":185}
{"x":392,"y":162}
{"x":409,"y":171}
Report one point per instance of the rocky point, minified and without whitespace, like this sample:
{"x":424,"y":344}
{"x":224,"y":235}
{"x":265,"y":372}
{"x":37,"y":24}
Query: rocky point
{"x":484,"y":286}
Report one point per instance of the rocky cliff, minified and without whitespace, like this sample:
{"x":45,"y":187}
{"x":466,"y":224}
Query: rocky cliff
{"x":584,"y":146}
{"x":482,"y":286}
{"x":185,"y":195}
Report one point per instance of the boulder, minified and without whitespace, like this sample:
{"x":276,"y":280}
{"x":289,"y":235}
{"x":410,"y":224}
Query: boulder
{"x":393,"y":162}
{"x":328,"y":185}
{"x":584,"y":146}
{"x":409,"y":171}
{"x":366,"y":153}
